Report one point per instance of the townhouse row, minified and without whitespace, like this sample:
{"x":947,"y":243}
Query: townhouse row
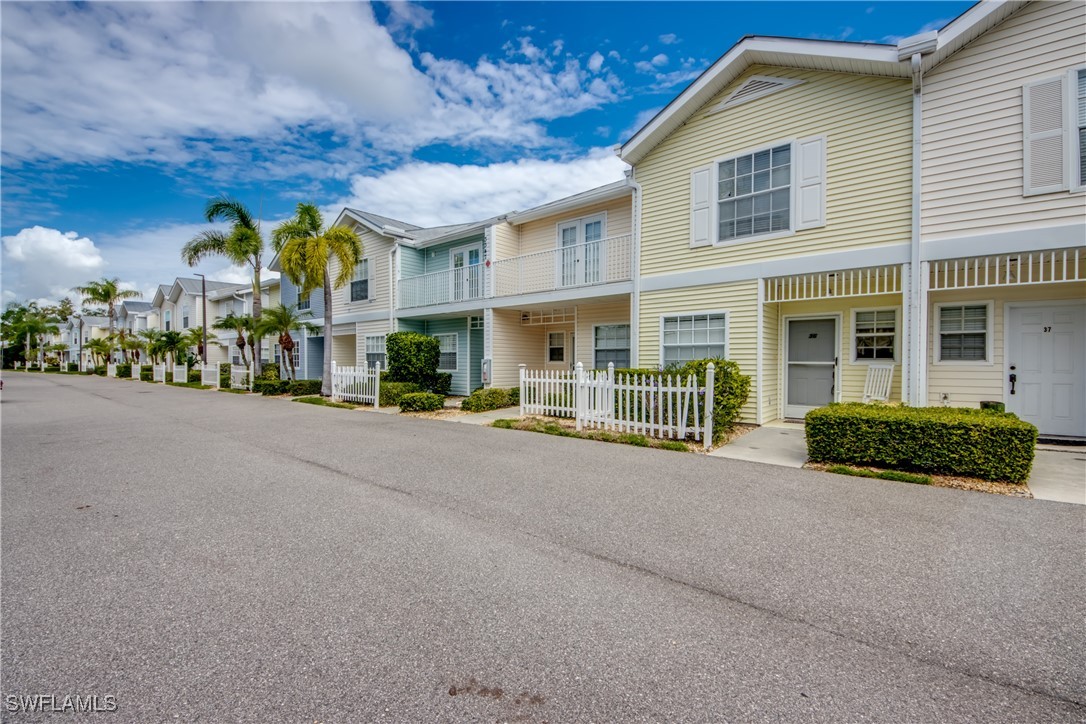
{"x":806,"y":208}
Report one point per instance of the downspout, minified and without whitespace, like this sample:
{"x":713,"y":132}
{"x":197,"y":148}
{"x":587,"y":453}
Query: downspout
{"x":393,"y":283}
{"x":917,"y":344}
{"x":635,"y":272}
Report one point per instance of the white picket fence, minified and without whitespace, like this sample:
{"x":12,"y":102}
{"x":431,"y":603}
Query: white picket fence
{"x":209,"y":375}
{"x":180,"y":373}
{"x":356,"y":384}
{"x":111,"y":369}
{"x":136,"y":369}
{"x":662,"y":406}
{"x":241,"y":377}
{"x":158,"y":373}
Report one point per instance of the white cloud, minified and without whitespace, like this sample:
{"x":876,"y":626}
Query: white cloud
{"x":659,"y":60}
{"x":595,"y":62}
{"x":669,"y":38}
{"x":644,"y":66}
{"x":937,"y":24}
{"x":434,"y":194}
{"x":614,"y":54}
{"x":40,"y":262}
{"x":642,"y":118}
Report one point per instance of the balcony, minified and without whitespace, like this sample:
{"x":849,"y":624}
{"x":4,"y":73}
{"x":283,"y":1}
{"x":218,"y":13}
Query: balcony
{"x":463,"y":284}
{"x":595,"y":262}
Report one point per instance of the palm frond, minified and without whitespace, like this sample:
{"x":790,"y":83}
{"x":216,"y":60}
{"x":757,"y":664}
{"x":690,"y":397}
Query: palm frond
{"x":229,"y":209}
{"x":205,"y":244}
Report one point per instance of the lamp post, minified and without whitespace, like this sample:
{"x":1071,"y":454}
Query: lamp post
{"x":203,"y":317}
{"x":80,"y":318}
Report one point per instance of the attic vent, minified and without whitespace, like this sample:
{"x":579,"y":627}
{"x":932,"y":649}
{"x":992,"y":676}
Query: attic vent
{"x":755,"y":87}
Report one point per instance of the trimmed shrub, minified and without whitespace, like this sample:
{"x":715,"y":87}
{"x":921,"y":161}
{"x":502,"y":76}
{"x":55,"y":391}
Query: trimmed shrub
{"x":74,"y":367}
{"x":489,"y":399}
{"x":268,"y":371}
{"x":297,"y":388}
{"x":391,"y":392}
{"x":412,"y":357}
{"x":947,"y":440}
{"x":442,"y":383}
{"x":147,"y":374}
{"x":514,"y":396}
{"x":195,"y":376}
{"x":421,"y":402}
{"x":124,"y":370}
{"x":99,"y":370}
{"x":270,"y":387}
{"x":51,"y":368}
{"x":224,"y":375}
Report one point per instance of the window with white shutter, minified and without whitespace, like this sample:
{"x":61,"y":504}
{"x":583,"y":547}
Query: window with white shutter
{"x":700,"y":210}
{"x":1079,"y":113}
{"x":1045,"y":156}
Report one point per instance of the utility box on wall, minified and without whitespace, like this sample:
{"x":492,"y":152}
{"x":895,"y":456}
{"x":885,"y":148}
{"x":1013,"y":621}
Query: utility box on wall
{"x":485,"y":364}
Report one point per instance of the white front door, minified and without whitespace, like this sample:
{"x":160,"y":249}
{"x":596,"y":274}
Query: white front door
{"x":467,"y":274}
{"x":1046,"y":354}
{"x":811,"y":366}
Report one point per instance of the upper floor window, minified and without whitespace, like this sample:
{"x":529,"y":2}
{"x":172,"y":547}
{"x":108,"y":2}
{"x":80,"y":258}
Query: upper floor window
{"x":360,"y":285}
{"x":184,"y":316}
{"x":1080,"y":77}
{"x":766,"y":191}
{"x":303,"y":300}
{"x":1054,"y":128}
{"x":166,"y":320}
{"x":754,"y":193}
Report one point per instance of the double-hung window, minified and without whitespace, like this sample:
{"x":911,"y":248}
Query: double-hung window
{"x":303,"y":300}
{"x":375,"y":351}
{"x":875,"y":334}
{"x":184,"y":316}
{"x":963,"y":332}
{"x":556,"y":347}
{"x":612,"y":345}
{"x":166,"y":319}
{"x":360,"y":285}
{"x":693,"y":336}
{"x":754,"y":193}
{"x":449,"y":346}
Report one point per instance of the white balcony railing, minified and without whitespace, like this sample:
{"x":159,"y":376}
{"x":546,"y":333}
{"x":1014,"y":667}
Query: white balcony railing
{"x":595,"y":262}
{"x":463,"y":284}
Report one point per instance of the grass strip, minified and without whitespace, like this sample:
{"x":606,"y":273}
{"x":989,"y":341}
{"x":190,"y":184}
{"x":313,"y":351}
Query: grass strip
{"x":623,"y":438}
{"x":317,"y":400}
{"x":880,"y":474}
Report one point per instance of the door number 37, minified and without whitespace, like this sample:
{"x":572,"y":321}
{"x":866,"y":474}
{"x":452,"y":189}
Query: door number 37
{"x":1047,"y":329}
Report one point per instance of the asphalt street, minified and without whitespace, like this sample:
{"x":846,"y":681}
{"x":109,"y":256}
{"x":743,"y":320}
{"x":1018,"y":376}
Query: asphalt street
{"x":208,"y":557}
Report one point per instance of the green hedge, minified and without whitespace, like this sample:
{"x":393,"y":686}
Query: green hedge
{"x":195,"y":376}
{"x":73,"y":366}
{"x":421,"y":402}
{"x":947,"y":440}
{"x":297,"y":388}
{"x":99,"y":370}
{"x":391,"y":392}
{"x":271,"y":387}
{"x":124,"y":370}
{"x":493,"y":398}
{"x":442,"y":383}
{"x":412,"y":357}
{"x":224,"y":375}
{"x":147,"y":373}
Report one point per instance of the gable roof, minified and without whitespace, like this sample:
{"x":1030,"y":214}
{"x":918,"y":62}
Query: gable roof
{"x":965,"y":28}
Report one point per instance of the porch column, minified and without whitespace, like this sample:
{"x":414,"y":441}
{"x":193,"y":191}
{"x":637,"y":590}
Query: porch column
{"x":918,"y":337}
{"x":906,"y":332}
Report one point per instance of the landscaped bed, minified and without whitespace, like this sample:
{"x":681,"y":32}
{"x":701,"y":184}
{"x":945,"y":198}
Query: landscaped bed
{"x":563,"y":427}
{"x":1016,"y":490}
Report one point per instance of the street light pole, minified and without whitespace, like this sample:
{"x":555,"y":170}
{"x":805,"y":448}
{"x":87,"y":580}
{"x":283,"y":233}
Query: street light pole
{"x":203,"y":316}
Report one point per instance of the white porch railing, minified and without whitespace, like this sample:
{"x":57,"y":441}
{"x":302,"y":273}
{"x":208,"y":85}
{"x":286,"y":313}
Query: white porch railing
{"x":241,"y":377}
{"x":356,"y":384}
{"x":463,"y":284}
{"x":662,"y":406}
{"x":180,"y":373}
{"x":111,"y":369}
{"x":1009,"y":270}
{"x":829,"y":285}
{"x":209,"y":375}
{"x":158,"y":373}
{"x":136,"y":370}
{"x":595,"y":262}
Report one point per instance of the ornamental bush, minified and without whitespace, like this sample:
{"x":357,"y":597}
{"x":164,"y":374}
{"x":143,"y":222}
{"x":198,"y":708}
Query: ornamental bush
{"x":195,"y":376}
{"x":297,"y":388}
{"x":147,"y":373}
{"x":942,"y":440}
{"x":493,"y":398}
{"x":421,"y":402}
{"x":124,"y":370}
{"x":442,"y":383}
{"x":224,"y":375}
{"x":73,"y":366}
{"x":412,"y":357}
{"x":391,"y":392}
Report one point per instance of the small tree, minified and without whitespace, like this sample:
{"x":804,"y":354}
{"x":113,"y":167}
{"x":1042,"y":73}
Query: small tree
{"x":239,"y":324}
{"x":280,"y":321}
{"x":413,"y":357}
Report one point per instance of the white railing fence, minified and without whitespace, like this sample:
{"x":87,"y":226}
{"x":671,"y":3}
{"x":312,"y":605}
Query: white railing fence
{"x":443,"y":287}
{"x":241,"y":377}
{"x":594,"y":262}
{"x":209,"y":375}
{"x":136,"y":369}
{"x":111,"y":369}
{"x":180,"y":373}
{"x":356,"y":384}
{"x":662,"y":406}
{"x":158,"y":373}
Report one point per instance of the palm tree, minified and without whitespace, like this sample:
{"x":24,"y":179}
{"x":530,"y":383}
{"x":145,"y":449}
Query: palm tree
{"x":279,"y":321}
{"x":305,"y":248}
{"x":107,"y":292}
{"x":172,"y":343}
{"x":132,"y":346}
{"x":99,"y":348}
{"x":194,"y":337}
{"x":235,"y":323}
{"x":152,"y":340}
{"x":242,"y":244}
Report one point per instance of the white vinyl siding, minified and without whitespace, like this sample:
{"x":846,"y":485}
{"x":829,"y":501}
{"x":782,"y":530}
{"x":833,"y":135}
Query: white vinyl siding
{"x":359,"y":289}
{"x":963,"y":332}
{"x":611,"y":344}
{"x":375,"y":351}
{"x":875,"y":334}
{"x":693,"y":336}
{"x":447,"y":362}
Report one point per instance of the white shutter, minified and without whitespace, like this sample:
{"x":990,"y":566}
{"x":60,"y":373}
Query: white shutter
{"x":810,"y":160}
{"x":1045,"y":157}
{"x":700,"y":209}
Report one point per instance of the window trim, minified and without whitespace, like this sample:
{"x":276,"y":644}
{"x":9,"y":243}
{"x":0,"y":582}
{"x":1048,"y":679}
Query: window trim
{"x":897,"y":335}
{"x":308,"y":301}
{"x":547,"y":347}
{"x":384,"y":349}
{"x":580,"y":220}
{"x":184,"y":316}
{"x":714,"y":200}
{"x":727,"y":329}
{"x":617,"y":324}
{"x":937,"y":341}
{"x":355,"y":278}
{"x":456,"y":338}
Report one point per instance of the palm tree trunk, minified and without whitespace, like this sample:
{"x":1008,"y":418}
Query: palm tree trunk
{"x":257,"y":309}
{"x":326,"y":378}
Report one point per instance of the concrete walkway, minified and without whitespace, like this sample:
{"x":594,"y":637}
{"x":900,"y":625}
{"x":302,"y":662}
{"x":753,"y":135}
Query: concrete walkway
{"x":1059,"y":474}
{"x":774,"y":444}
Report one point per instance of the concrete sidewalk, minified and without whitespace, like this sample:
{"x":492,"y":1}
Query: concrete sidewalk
{"x":774,"y":444}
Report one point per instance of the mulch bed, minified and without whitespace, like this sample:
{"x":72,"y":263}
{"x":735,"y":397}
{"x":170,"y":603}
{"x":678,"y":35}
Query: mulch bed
{"x":950,"y":481}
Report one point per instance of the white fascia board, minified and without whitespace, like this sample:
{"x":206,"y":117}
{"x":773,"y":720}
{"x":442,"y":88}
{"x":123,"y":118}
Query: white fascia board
{"x":273,"y":265}
{"x":462,"y":233}
{"x":730,"y":65}
{"x":346,"y":213}
{"x":1066,"y":236}
{"x":962,"y":29}
{"x":615,"y":190}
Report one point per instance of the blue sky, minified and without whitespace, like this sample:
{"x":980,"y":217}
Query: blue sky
{"x":120,"y":120}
